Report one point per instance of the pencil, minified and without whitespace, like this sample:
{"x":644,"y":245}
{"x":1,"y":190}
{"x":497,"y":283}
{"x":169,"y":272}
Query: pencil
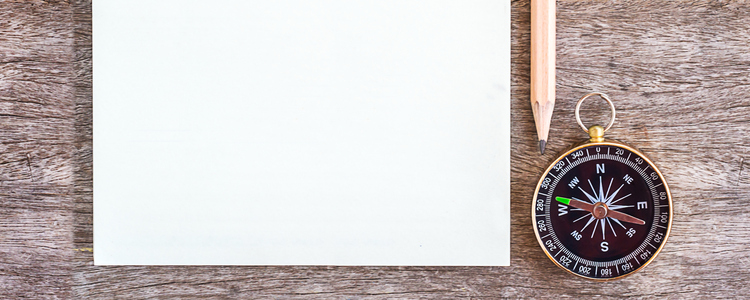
{"x":542,"y":66}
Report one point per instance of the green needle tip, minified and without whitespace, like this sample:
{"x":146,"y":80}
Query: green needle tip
{"x":565,"y":201}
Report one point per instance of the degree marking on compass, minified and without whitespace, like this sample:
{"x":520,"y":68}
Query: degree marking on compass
{"x":631,"y":153}
{"x":558,"y":253}
{"x":657,"y":225}
{"x":566,"y":158}
{"x":545,"y":195}
{"x":544,"y":237}
{"x":644,"y":169}
{"x":652,"y":245}
{"x":636,"y":259}
{"x":541,"y":216}
{"x":658,"y":185}
{"x":574,"y":267}
{"x":553,"y":175}
{"x":662,"y":206}
{"x":608,"y":150}
{"x":587,"y":152}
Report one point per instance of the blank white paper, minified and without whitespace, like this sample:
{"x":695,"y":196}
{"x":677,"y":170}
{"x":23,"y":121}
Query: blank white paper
{"x":297,"y":132}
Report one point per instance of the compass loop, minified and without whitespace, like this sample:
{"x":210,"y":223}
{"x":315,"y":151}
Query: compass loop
{"x":603,"y":96}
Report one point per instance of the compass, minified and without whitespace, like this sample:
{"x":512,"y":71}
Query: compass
{"x":602,"y":210}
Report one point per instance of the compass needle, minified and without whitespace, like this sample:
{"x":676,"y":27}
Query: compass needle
{"x":625,"y":218}
{"x":631,"y":194}
{"x":576,"y":203}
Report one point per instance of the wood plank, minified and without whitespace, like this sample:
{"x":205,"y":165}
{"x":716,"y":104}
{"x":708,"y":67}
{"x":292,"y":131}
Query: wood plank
{"x":35,"y":154}
{"x":677,"y":71}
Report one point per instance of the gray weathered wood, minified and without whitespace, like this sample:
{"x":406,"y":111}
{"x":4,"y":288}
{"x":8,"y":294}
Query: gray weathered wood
{"x":679,"y":72}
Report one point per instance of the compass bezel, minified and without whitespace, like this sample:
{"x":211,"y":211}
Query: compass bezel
{"x":588,"y":143}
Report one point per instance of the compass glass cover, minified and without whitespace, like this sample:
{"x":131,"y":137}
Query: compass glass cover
{"x":602,"y":211}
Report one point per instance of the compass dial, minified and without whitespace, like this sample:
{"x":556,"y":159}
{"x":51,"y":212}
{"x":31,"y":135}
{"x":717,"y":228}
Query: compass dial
{"x":602,"y":211}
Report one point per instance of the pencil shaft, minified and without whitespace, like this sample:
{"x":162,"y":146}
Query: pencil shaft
{"x":542,"y":65}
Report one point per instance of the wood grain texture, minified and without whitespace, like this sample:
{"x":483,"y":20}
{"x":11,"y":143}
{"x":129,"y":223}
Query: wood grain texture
{"x":36,"y":157}
{"x":678,"y":71}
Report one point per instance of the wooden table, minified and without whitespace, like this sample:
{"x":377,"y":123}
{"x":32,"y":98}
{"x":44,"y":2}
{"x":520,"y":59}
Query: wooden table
{"x":679,"y":72}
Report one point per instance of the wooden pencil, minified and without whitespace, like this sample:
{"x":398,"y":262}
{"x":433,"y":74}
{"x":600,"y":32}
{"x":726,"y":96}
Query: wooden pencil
{"x":542,"y":66}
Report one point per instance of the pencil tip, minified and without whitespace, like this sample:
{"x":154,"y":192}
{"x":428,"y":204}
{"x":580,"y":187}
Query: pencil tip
{"x":542,"y":143}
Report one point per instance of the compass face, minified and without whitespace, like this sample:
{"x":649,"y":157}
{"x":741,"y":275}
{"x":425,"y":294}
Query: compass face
{"x":602,"y":211}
